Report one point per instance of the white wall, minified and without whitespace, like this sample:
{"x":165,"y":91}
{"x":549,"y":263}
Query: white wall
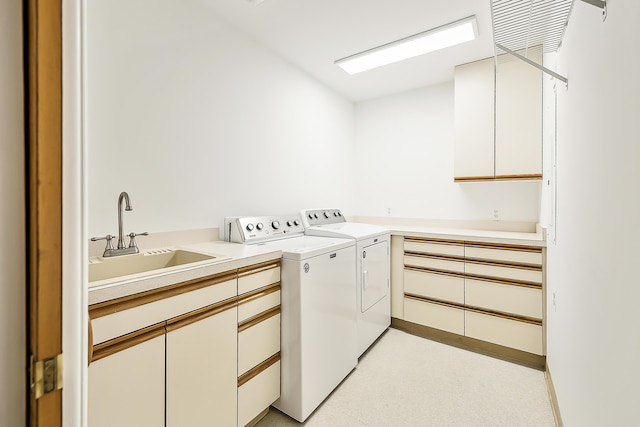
{"x":593,"y":337}
{"x":198,"y":122}
{"x":404,"y":146}
{"x":12,"y":223}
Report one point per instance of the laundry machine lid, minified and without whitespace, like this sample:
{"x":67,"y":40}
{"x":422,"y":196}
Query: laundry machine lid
{"x":350,"y":230}
{"x":304,"y":247}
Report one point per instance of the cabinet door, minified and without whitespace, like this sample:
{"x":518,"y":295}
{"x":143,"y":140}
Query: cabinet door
{"x":126,"y":388}
{"x":519,"y":115}
{"x":474,"y":120}
{"x":202,"y":369}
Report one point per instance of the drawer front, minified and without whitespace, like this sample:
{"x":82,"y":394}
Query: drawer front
{"x":258,"y":343}
{"x":433,"y":285}
{"x":507,"y":332}
{"x":451,"y":249}
{"x":253,"y":307}
{"x":435,"y":263}
{"x":499,"y":272}
{"x":258,"y":394}
{"x":518,"y":300}
{"x":133,"y":319}
{"x":522,"y":257}
{"x":251,"y":282}
{"x":437,"y":316}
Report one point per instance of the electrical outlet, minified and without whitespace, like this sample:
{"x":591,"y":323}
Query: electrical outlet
{"x":496,"y":215}
{"x":388,"y":211}
{"x":554,"y":300}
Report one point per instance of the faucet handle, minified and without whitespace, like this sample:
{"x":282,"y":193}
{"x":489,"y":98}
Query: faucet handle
{"x":132,"y":239}
{"x":108,"y":238}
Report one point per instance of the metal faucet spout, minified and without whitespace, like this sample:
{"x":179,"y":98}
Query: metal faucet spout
{"x":123,"y":196}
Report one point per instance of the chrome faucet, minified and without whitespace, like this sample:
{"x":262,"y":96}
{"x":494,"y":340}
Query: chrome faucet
{"x":109,"y":250}
{"x":123,"y":196}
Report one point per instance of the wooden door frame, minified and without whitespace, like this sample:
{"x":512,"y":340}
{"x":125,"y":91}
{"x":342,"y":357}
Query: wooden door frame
{"x":43,"y":75}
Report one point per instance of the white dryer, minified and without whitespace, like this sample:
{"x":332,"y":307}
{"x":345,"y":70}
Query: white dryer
{"x":372,"y":268}
{"x":318,"y":317}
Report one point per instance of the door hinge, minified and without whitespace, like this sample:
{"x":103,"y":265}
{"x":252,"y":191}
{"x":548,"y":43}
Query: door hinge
{"x":46,"y":375}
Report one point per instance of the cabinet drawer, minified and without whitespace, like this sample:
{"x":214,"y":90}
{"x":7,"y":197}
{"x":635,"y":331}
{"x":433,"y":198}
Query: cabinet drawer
{"x":133,"y":319}
{"x":451,"y":249}
{"x":516,"y":256}
{"x":258,"y":393}
{"x":249,"y":307}
{"x":450,"y":319}
{"x":259,"y":278}
{"x":507,"y":332}
{"x":518,"y":300}
{"x":435,"y":263}
{"x":503,"y":272}
{"x":433,"y":285}
{"x":257,"y":343}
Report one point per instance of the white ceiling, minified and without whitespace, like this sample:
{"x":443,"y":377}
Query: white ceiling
{"x":312,"y":34}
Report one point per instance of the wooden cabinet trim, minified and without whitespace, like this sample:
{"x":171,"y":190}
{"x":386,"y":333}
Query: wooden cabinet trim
{"x":519,"y":177}
{"x":260,"y":317}
{"x":257,"y":370}
{"x":124,"y":342}
{"x":257,"y":268}
{"x":507,"y":264}
{"x":473,"y":178}
{"x":504,"y":246}
{"x":503,"y":281}
{"x":432,"y":240}
{"x":514,"y":177}
{"x":504,"y":315}
{"x":434,"y":301}
{"x":130,"y":301}
{"x":259,"y":293}
{"x":434,"y":256}
{"x":434,"y":271}
{"x":200,"y":314}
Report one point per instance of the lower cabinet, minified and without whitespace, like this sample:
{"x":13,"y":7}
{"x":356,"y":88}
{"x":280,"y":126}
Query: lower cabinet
{"x":489,"y":292}
{"x":258,"y":327}
{"x":213,"y":359}
{"x":126,"y":388}
{"x":201,"y":368}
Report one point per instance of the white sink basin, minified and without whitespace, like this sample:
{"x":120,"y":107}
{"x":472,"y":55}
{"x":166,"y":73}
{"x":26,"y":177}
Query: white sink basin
{"x":146,"y":262}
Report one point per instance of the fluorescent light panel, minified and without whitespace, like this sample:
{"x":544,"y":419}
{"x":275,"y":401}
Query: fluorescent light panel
{"x":438,"y":38}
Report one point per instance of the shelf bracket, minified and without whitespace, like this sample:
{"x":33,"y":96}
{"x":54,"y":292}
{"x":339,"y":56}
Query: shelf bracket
{"x":535,"y":64}
{"x":601,"y":4}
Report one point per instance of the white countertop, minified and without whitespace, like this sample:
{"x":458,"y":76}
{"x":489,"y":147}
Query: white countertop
{"x":521,"y":234}
{"x":236,"y":256}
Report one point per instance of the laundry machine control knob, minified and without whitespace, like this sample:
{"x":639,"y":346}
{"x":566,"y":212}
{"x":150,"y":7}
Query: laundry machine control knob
{"x":275,"y":225}
{"x":290,"y":223}
{"x":296,"y":222}
{"x":259,"y":226}
{"x":315,"y":215}
{"x":310,"y":216}
{"x":326,"y":214}
{"x":250,"y":227}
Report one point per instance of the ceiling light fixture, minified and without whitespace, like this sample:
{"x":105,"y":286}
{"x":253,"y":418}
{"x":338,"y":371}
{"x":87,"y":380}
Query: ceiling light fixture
{"x":442,"y":37}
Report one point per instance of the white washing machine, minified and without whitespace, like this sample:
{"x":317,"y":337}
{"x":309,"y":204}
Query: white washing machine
{"x":318,"y":317}
{"x":372,"y":267}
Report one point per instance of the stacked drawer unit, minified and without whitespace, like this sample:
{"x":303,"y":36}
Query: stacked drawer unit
{"x":258,"y":339}
{"x":487,"y":291}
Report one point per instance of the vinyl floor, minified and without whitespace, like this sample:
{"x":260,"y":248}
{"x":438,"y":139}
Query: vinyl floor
{"x":405,"y":380}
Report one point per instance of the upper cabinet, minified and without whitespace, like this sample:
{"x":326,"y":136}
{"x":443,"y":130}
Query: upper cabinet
{"x":474,"y":118}
{"x":498,"y":119}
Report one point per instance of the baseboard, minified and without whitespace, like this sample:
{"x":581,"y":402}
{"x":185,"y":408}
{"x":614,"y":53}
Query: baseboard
{"x":258,"y":418}
{"x":488,"y":349}
{"x":553,"y":397}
